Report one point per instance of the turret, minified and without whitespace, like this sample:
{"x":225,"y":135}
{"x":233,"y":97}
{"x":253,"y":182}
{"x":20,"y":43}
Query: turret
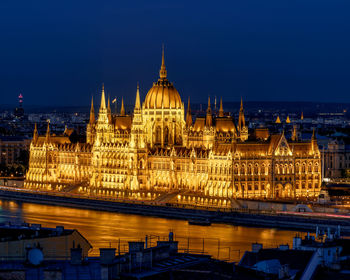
{"x":163,"y":72}
{"x":137,"y":137}
{"x":35,"y":134}
{"x":48,"y":132}
{"x":243,"y":130}
{"x":103,"y":98}
{"x":109,"y":111}
{"x":278,"y":120}
{"x":103,"y":112}
{"x":122,"y":109}
{"x":209,"y":117}
{"x":241,"y":119}
{"x":138,"y":101}
{"x":294,"y":133}
{"x":314,"y":146}
{"x":288,"y":119}
{"x":221,"y":110}
{"x":92,"y":112}
{"x":189,"y":120}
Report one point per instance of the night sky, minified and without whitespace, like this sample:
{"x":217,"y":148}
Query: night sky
{"x":59,"y":52}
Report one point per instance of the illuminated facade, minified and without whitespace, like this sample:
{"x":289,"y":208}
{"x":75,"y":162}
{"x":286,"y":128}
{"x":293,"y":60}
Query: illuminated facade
{"x":159,"y":153}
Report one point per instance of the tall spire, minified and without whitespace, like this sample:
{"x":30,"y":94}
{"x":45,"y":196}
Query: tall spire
{"x":188,"y":114}
{"x":209,"y":117}
{"x":209,"y":106}
{"x":104,"y":115}
{"x":48,"y":131}
{"x":103,"y":98}
{"x":109,"y":111}
{"x":313,"y":141}
{"x":221,"y":110}
{"x":294,"y":133}
{"x":35,"y":133}
{"x":137,"y":101}
{"x":313,"y":137}
{"x":162,"y":72}
{"x":137,"y":109}
{"x":92,"y":111}
{"x":109,"y":104}
{"x":241,"y":118}
{"x":122,"y":109}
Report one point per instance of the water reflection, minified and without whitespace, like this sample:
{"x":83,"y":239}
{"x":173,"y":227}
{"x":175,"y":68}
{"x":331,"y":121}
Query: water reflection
{"x":104,"y":229}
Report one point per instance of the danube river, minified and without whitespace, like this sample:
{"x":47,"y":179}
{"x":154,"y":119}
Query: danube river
{"x":105,"y":229}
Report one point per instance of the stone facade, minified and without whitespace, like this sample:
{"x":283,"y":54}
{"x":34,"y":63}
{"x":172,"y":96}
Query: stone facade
{"x":159,"y":154}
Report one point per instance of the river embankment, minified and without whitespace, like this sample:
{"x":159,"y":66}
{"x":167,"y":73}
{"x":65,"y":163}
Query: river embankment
{"x":288,"y":220}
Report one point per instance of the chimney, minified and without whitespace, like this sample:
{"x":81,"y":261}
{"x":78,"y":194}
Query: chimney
{"x":76,"y":255}
{"x":256,"y":247}
{"x":107,"y":255}
{"x":296,"y":242}
{"x":284,"y":247}
{"x":136,"y":246}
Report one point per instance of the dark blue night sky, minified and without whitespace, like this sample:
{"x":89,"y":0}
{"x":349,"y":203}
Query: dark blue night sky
{"x":59,"y":52}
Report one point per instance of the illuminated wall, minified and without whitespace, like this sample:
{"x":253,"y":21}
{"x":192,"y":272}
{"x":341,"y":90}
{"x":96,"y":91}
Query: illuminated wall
{"x":156,"y":154}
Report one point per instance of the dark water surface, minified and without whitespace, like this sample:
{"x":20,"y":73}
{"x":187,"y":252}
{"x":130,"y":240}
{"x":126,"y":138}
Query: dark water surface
{"x":105,"y":229}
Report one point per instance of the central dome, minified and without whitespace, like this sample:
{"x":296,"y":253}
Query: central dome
{"x":163,"y":94}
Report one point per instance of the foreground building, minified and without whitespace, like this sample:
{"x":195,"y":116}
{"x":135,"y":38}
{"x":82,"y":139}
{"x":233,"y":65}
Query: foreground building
{"x":159,"y":153}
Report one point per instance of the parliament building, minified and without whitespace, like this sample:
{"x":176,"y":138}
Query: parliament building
{"x":160,"y":153}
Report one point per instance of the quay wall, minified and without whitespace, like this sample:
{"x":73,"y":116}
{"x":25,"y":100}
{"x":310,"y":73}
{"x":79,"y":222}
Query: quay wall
{"x":243,"y":217}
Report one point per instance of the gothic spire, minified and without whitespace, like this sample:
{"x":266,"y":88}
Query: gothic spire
{"x":109,"y":111}
{"x":48,"y":131}
{"x":109,"y":104}
{"x":137,"y":101}
{"x":221,"y":110}
{"x":241,"y":118}
{"x":35,"y":133}
{"x":294,"y":133}
{"x":188,"y":114}
{"x":163,"y":72}
{"x":92,"y":111}
{"x":103,"y":98}
{"x":209,"y":117}
{"x":122,"y":109}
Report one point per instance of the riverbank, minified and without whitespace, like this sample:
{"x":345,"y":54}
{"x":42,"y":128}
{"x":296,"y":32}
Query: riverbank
{"x":288,"y":220}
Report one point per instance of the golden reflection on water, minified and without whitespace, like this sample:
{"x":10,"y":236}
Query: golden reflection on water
{"x":104,"y":229}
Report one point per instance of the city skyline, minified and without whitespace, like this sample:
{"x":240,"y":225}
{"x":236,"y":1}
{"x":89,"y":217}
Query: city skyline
{"x":261,"y":51}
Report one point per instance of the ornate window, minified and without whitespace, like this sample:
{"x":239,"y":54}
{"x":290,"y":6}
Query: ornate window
{"x":242,"y":169}
{"x":166,"y":135}
{"x":256,"y":169}
{"x":249,"y":171}
{"x":158,"y":135}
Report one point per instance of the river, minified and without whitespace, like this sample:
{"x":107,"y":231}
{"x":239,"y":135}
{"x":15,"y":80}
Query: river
{"x":105,"y":229}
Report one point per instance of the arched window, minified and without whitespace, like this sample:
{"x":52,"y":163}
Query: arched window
{"x":166,"y":135}
{"x":242,"y":169}
{"x":309,"y":168}
{"x":277,"y":169}
{"x":249,"y":171}
{"x":303,"y":168}
{"x":158,"y":135}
